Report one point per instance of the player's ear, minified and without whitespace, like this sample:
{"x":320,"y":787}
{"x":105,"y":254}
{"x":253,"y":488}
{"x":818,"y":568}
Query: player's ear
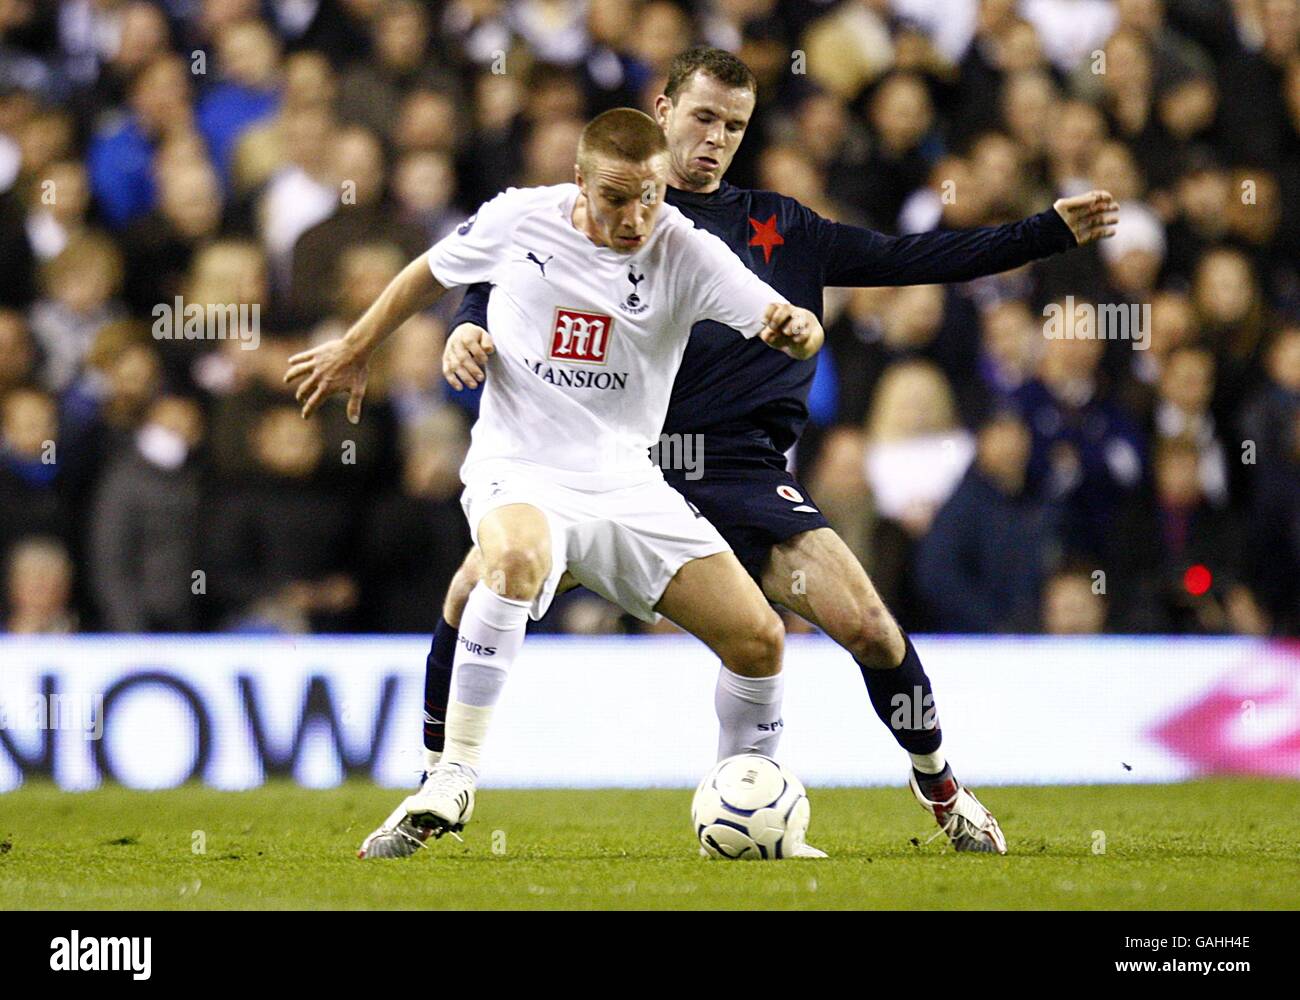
{"x":663,"y":105}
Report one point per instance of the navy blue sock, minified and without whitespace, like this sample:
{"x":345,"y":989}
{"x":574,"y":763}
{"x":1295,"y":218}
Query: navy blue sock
{"x":937,"y":787}
{"x":903,"y":699}
{"x":437,"y":685}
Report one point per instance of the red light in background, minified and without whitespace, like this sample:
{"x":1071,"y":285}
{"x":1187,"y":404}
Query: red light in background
{"x":1197,"y":580}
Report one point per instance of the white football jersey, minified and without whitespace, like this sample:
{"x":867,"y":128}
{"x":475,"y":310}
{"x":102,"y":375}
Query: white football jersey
{"x":588,"y":340}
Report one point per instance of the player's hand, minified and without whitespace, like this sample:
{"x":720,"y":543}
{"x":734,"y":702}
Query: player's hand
{"x":464,"y":359}
{"x":793,"y":330}
{"x":334,"y":366}
{"x":1091,"y":217}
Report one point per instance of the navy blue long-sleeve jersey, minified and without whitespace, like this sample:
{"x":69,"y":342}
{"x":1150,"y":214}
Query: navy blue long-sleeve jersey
{"x":730,"y":385}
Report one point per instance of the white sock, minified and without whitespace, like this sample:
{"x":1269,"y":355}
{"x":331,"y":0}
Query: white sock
{"x":431,"y":758}
{"x":749,"y":713}
{"x":491,"y":633}
{"x":928,"y":763}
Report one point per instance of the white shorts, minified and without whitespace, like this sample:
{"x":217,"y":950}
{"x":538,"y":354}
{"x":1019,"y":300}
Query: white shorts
{"x":625,"y":544}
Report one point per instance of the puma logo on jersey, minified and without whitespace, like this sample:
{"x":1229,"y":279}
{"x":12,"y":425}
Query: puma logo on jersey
{"x":581,"y":336}
{"x":541,"y":264}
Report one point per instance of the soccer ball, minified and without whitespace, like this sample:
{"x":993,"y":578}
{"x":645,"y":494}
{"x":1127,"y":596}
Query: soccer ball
{"x":750,"y":808}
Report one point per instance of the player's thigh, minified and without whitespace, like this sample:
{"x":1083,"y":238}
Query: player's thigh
{"x":515,"y":542}
{"x":468,"y":576}
{"x":816,"y":576}
{"x":715,"y":600}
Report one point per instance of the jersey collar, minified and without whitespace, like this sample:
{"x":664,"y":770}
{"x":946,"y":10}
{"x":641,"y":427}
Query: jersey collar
{"x":694,"y":199}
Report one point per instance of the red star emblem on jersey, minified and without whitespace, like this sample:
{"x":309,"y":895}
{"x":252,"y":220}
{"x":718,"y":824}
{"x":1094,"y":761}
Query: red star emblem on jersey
{"x":765,"y":236}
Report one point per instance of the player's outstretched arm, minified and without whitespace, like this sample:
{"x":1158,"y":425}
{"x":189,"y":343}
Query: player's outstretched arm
{"x":342,"y":365}
{"x":464,"y":359}
{"x":853,"y":256}
{"x":792,"y":330}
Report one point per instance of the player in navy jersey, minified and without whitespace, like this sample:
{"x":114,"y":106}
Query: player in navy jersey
{"x":749,"y":405}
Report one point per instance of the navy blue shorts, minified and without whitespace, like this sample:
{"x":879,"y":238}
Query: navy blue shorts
{"x":742,"y":486}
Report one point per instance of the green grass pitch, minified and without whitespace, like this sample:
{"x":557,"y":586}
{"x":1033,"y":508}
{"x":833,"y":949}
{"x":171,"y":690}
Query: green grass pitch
{"x":1203,"y":845}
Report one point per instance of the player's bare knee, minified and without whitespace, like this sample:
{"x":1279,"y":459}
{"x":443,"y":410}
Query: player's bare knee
{"x":757,"y":651}
{"x":516,"y":572}
{"x":871,"y":635}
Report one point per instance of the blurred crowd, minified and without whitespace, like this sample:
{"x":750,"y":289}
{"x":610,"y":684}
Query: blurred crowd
{"x":293,"y":155}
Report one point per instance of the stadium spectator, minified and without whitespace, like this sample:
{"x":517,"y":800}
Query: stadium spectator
{"x":1133,"y":258}
{"x":1200,"y":214}
{"x":17,"y":351}
{"x":102,"y":410}
{"x":38,"y":587}
{"x":120,"y":155}
{"x":363,"y":216}
{"x":1010,"y":345}
{"x":415,"y":536}
{"x":612,"y":76}
{"x":302,"y":192}
{"x":427,"y":119}
{"x":223,"y":274}
{"x":916,"y":453}
{"x":1074,"y":602}
{"x":1270,"y":429}
{"x":30,"y":494}
{"x":1183,"y":411}
{"x":1079,"y":130}
{"x":160,"y":245}
{"x":1234,"y":318}
{"x":371,"y":91}
{"x":80,"y":296}
{"x":904,"y":148}
{"x":981,"y":564}
{"x":1176,"y":560}
{"x":61,"y":204}
{"x":248,"y":58}
{"x":424,"y":188}
{"x":413,"y":383}
{"x":1174,"y":324}
{"x":278,"y":543}
{"x":1087,"y":452}
{"x":143,"y":549}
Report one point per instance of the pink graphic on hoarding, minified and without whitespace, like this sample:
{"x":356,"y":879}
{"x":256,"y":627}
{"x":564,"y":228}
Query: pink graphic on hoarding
{"x":1247,"y":723}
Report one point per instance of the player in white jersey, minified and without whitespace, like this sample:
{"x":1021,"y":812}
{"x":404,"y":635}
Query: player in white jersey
{"x":595,"y":289}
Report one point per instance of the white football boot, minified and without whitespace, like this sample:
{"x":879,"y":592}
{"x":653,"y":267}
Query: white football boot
{"x":444,"y":804}
{"x":968,"y":825}
{"x":397,"y":837}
